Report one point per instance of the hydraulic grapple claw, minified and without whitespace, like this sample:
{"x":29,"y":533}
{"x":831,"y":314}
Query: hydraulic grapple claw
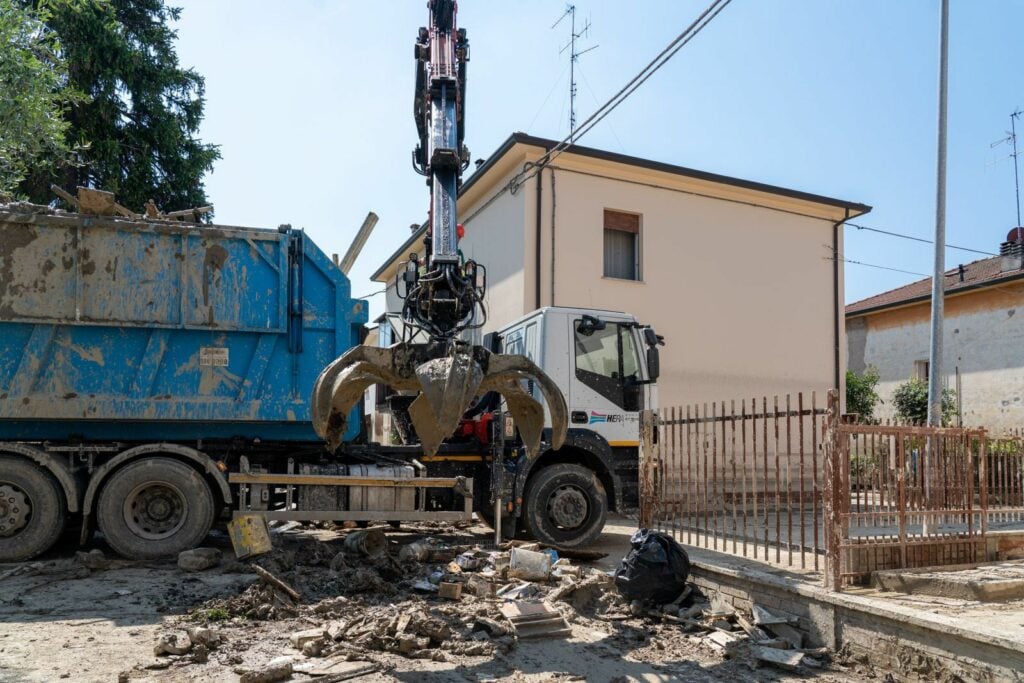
{"x":447,"y":377}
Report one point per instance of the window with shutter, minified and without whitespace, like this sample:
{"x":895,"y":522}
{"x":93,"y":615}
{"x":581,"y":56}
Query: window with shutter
{"x":621,"y":245}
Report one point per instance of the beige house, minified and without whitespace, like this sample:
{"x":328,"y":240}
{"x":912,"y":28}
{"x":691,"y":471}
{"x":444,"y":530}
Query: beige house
{"x":738,"y":276}
{"x":983,"y":338}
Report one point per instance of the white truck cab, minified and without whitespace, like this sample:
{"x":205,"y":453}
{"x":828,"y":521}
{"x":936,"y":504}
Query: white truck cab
{"x":606,"y":363}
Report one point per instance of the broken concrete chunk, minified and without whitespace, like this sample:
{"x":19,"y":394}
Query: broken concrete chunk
{"x":94,"y":559}
{"x":722,"y":641}
{"x":172,"y":644}
{"x":204,"y":636}
{"x":300,"y":638}
{"x":763,"y":617}
{"x":279,"y":669}
{"x":787,"y":659}
{"x":492,"y":627}
{"x":791,"y":635}
{"x":449,"y":591}
{"x":198,"y":559}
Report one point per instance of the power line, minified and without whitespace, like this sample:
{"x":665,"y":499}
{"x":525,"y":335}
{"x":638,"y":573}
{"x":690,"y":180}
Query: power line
{"x":919,"y":239}
{"x":618,"y":98}
{"x":874,"y":265}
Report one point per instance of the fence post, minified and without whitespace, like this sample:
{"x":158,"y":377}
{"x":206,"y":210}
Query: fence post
{"x":648,"y":466}
{"x":833,"y":492}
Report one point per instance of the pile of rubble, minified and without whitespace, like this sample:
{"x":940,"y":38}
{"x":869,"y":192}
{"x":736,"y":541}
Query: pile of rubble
{"x":348,"y":609}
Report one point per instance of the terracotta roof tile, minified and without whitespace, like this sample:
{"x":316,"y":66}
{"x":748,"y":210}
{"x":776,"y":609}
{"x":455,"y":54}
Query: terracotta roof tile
{"x":976,"y":273}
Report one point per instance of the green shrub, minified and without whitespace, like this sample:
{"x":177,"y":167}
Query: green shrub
{"x":911,"y":402}
{"x":861,"y":397}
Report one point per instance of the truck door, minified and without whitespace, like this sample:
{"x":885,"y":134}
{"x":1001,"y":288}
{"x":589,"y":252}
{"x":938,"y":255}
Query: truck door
{"x":606,"y":389}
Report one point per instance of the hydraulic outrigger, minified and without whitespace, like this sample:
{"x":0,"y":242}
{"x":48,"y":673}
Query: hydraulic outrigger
{"x":443,"y":294}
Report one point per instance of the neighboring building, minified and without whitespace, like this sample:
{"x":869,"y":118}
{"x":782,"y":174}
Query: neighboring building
{"x":738,"y":276}
{"x":983,"y":337}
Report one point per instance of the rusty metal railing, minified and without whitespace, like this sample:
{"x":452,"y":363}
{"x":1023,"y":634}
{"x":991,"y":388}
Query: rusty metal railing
{"x":787,"y":482}
{"x":742,"y":477}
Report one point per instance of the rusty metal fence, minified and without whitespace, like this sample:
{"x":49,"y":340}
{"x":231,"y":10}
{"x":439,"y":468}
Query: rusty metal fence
{"x":786,"y":481}
{"x":740,"y":476}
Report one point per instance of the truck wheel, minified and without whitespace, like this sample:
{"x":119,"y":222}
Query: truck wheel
{"x":32,"y":510}
{"x":566,"y":506}
{"x":154,"y":507}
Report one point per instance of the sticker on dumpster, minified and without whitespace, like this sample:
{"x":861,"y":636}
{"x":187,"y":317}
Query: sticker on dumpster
{"x":213,"y":355}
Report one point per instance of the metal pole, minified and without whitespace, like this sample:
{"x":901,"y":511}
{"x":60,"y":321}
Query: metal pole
{"x":938,"y":272}
{"x":1013,"y":140}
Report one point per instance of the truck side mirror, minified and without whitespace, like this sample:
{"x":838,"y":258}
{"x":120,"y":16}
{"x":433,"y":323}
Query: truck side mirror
{"x":588,"y":324}
{"x":653,"y":339}
{"x":653,"y":363}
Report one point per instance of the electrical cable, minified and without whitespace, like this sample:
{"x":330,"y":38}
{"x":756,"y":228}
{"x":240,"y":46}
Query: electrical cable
{"x":919,"y":239}
{"x":660,"y":60}
{"x":872,"y":265}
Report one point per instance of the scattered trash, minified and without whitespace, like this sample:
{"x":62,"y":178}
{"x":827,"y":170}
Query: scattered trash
{"x":367,"y":542}
{"x":517,"y":592}
{"x":655,"y":569}
{"x":250,"y":536}
{"x":535,"y":620}
{"x":529,"y":565}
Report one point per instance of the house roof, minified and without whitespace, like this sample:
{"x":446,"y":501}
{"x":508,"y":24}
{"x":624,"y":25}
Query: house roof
{"x":976,"y":275}
{"x":853,"y":208}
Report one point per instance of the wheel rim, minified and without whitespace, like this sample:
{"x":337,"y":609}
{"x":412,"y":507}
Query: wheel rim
{"x":568,"y":507}
{"x":15,"y":509}
{"x":155,"y":510}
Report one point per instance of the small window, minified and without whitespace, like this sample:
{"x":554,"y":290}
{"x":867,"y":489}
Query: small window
{"x":621,"y":245}
{"x":921,"y":370}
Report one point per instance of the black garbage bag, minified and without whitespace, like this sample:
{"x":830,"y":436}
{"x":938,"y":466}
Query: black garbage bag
{"x":654,"y":571}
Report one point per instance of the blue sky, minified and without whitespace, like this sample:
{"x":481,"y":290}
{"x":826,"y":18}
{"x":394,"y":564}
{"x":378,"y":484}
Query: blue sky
{"x":311,"y":103}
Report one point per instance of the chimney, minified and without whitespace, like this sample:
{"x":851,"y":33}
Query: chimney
{"x":1012,"y":251}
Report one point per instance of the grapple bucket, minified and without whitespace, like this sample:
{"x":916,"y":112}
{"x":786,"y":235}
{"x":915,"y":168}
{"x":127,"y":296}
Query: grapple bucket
{"x":447,"y":377}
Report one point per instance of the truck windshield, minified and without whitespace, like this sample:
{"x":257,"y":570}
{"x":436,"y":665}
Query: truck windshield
{"x":606,"y":362}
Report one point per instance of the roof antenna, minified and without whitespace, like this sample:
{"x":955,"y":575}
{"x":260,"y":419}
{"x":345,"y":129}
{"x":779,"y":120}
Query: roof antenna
{"x":1011,"y":138}
{"x":570,"y":11}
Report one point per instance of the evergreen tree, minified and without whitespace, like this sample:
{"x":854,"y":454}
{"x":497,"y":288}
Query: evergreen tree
{"x":142,"y":111}
{"x":33,"y":96}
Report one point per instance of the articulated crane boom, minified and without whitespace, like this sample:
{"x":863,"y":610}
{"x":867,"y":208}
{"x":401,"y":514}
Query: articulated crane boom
{"x":443,"y":293}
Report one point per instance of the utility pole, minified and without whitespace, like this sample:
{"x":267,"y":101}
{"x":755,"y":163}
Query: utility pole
{"x":570,"y":11}
{"x":939,"y":270}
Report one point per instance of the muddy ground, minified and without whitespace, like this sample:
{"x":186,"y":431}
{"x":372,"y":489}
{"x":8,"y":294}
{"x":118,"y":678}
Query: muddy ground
{"x":97,"y":618}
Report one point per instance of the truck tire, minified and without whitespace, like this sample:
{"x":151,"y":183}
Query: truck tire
{"x":154,"y":507}
{"x":565,"y":506}
{"x":32,"y":510}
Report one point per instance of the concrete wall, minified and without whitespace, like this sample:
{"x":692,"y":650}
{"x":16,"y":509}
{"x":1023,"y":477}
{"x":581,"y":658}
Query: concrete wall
{"x":983,"y":336}
{"x":743,"y":294}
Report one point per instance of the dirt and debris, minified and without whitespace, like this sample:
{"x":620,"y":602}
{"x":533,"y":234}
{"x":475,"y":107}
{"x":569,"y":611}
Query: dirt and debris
{"x":318,"y":608}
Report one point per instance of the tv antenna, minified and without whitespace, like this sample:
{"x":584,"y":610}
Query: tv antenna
{"x":570,"y":11}
{"x":1011,"y":138}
